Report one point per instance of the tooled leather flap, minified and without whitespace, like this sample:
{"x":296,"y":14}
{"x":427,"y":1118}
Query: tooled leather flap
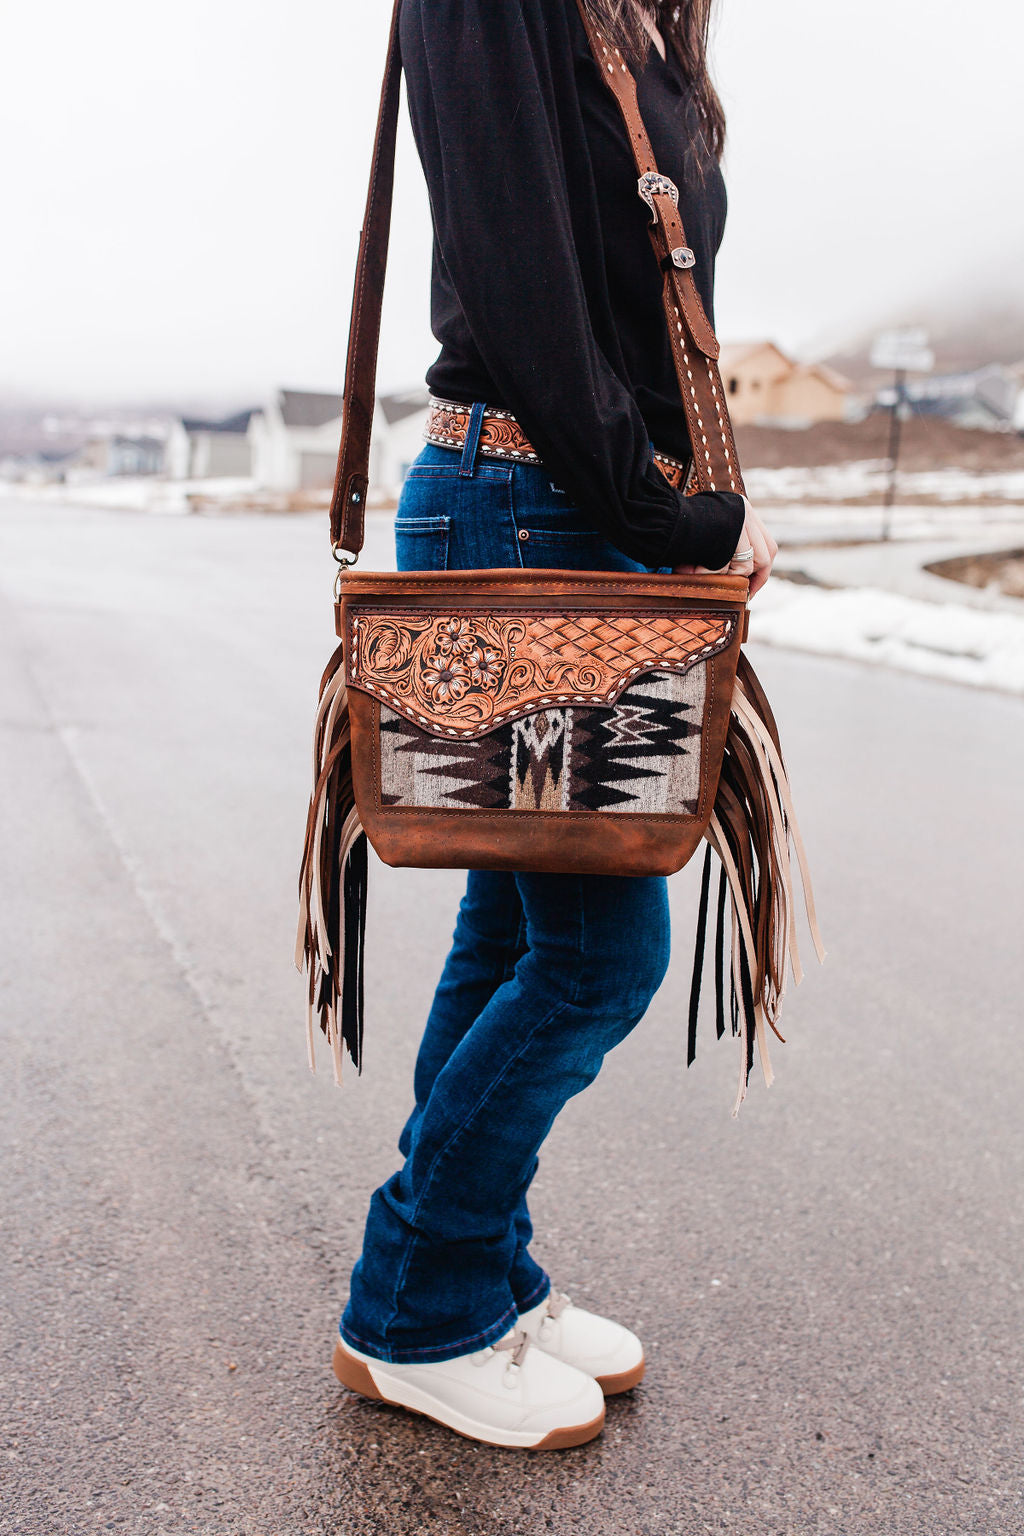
{"x":460,"y":673}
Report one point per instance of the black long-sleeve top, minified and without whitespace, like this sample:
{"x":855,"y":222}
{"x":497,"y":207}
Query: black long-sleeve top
{"x":546,"y":295}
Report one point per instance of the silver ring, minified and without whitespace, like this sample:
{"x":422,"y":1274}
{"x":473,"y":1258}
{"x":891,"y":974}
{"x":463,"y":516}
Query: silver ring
{"x":742,"y":556}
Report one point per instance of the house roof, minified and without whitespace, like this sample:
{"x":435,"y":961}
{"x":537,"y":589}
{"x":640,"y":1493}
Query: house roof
{"x":736,"y":352}
{"x":237,"y":423}
{"x":303,"y":408}
{"x":398,"y":407}
{"x":133,"y":440}
{"x":831,"y":376}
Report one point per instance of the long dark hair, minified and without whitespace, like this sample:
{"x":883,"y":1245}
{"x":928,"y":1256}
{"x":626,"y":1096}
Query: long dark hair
{"x":684,"y":25}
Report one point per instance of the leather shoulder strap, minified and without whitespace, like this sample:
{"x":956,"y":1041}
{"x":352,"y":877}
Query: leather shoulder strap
{"x":348,"y":503}
{"x":694,"y":346}
{"x":693,"y":343}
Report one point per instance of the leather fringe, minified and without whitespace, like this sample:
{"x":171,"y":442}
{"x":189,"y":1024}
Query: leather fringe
{"x":752,"y":830}
{"x":332,"y":882}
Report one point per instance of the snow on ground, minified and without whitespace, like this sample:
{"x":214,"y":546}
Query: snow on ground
{"x":135,"y":493}
{"x":153,"y":493}
{"x":945,"y":640}
{"x":866,"y":479}
{"x":819,"y":522}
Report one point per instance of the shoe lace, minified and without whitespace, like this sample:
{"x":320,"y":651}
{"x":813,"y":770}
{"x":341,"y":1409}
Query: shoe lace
{"x":557,"y":1303}
{"x":517,"y":1343}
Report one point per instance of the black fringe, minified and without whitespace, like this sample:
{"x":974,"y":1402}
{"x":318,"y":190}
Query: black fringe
{"x":723,"y":891}
{"x":352,"y":992}
{"x":698,"y":958}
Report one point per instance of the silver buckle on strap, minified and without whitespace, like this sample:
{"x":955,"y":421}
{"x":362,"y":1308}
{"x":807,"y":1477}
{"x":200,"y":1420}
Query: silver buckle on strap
{"x":652,"y":183}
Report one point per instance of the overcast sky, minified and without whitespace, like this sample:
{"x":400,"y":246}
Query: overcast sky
{"x":182,"y":185}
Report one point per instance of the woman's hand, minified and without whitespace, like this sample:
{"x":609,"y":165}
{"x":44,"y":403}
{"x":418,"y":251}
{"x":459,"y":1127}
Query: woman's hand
{"x":754,"y":538}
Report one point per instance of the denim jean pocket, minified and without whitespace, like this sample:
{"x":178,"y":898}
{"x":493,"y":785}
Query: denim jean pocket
{"x":565,"y":549}
{"x":421,"y":543}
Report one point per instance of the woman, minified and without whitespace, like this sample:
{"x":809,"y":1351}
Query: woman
{"x":556,"y":390}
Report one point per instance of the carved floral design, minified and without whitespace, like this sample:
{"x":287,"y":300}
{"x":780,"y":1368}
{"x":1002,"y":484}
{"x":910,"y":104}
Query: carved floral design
{"x":461,"y":672}
{"x":455,"y":635}
{"x":468,"y":657}
{"x":486,"y":667}
{"x":446,"y":678}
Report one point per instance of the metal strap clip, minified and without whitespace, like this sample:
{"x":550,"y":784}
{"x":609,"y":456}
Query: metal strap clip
{"x":653,"y":183}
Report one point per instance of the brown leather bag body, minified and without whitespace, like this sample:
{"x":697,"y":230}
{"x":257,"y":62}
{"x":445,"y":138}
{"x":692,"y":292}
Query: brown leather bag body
{"x":493,"y":671}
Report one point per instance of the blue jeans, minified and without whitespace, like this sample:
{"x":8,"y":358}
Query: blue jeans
{"x":546,"y":974}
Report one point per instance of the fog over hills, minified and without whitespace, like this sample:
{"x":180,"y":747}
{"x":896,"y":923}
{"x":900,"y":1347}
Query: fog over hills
{"x":968,"y":326}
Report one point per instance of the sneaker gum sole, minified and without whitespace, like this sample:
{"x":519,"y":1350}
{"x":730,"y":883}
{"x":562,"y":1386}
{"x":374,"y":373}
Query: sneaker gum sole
{"x":625,"y":1381}
{"x":355,"y":1375}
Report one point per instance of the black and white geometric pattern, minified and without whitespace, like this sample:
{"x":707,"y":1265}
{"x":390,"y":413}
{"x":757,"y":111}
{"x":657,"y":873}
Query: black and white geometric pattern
{"x":640,"y":755}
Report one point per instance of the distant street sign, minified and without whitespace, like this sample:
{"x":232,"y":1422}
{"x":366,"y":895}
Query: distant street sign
{"x":905,"y":351}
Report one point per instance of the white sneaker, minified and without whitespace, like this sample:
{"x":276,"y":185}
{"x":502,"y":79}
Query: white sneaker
{"x":609,"y":1353}
{"x":508,"y":1394}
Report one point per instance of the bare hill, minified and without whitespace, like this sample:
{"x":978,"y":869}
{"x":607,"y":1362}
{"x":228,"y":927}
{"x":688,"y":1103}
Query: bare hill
{"x":928,"y":443}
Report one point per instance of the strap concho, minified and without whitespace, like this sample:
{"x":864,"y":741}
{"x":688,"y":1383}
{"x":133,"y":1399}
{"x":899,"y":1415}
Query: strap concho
{"x":501,"y":437}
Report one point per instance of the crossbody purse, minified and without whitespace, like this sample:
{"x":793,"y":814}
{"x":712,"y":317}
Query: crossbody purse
{"x":495,"y":672}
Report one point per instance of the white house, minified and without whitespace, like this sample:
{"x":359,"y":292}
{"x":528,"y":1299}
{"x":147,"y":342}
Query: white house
{"x":199,"y":450}
{"x":294,"y":441}
{"x":398,"y":436}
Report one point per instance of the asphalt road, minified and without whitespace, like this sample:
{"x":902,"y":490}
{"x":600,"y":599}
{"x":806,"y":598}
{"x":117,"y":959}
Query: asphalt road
{"x":829,"y":1288}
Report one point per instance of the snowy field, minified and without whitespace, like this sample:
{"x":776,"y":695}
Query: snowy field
{"x":867,"y":480}
{"x":946,"y":640}
{"x":970,"y":526}
{"x":135,"y":493}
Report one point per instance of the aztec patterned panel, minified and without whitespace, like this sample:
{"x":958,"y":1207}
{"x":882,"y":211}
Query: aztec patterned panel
{"x":463,"y":674}
{"x":641,"y":755}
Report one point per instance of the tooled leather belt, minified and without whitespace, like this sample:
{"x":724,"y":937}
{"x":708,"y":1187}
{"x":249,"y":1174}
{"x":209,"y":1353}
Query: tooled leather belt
{"x":501,"y":437}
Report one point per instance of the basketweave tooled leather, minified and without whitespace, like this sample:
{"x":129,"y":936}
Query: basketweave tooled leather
{"x":461,"y":672}
{"x":692,"y":340}
{"x":502,"y":437}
